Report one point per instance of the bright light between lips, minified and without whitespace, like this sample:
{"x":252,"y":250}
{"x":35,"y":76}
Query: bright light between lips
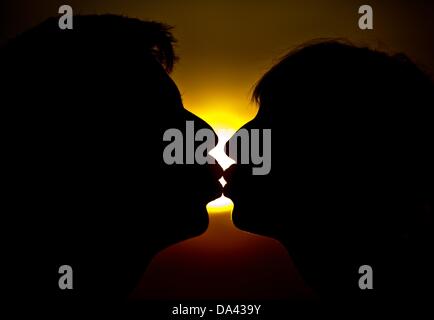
{"x":219,"y":151}
{"x":222,"y":204}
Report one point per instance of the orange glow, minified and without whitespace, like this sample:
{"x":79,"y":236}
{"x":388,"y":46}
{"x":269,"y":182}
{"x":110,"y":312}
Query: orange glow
{"x":220,"y":205}
{"x":222,"y":263}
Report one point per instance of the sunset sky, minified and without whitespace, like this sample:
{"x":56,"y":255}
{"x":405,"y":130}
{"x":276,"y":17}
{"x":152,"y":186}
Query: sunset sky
{"x":226,"y":45}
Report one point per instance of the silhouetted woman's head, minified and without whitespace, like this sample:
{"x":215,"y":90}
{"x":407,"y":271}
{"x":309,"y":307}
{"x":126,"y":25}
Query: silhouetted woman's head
{"x":351,"y":161}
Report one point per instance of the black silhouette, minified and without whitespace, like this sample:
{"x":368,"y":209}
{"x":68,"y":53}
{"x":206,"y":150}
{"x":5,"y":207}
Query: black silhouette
{"x":87,"y":109}
{"x":351,"y":180}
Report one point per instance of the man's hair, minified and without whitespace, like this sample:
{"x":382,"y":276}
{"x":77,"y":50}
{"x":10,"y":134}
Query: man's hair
{"x":100,"y":34}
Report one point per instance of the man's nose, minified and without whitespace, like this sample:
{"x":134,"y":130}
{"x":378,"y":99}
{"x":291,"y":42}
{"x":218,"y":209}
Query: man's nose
{"x":208,"y":184}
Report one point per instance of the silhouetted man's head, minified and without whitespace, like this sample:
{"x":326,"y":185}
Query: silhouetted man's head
{"x":351,"y":179}
{"x":88,"y":110}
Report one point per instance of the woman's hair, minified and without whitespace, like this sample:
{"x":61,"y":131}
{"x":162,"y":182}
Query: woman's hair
{"x":338,"y":68}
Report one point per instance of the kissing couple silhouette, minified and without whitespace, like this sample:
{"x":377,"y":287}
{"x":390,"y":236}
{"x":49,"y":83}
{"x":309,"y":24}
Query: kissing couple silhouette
{"x":350,"y":185}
